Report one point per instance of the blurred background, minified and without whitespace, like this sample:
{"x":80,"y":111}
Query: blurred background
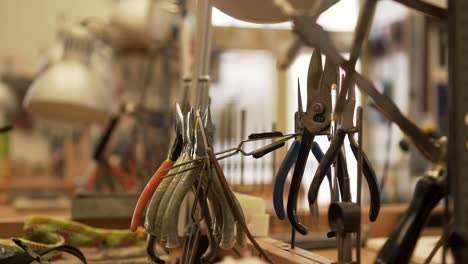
{"x":132,"y":50}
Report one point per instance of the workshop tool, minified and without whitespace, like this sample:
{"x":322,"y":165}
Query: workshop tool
{"x":47,"y":235}
{"x":155,"y":180}
{"x":182,"y":138}
{"x":360,"y":160}
{"x":290,"y":159}
{"x":428,"y":192}
{"x":313,"y":35}
{"x":346,"y":127}
{"x":103,"y":174}
{"x":232,"y":201}
{"x":316,"y":121}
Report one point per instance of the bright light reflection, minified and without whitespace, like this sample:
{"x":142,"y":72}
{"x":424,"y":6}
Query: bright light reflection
{"x":341,"y":17}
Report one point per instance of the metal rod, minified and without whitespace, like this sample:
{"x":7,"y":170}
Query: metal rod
{"x":293,"y":238}
{"x":243,"y":123}
{"x":203,"y":52}
{"x":273,"y":157}
{"x":359,"y":179}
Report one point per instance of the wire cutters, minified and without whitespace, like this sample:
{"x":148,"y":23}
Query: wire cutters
{"x":316,"y":121}
{"x":290,"y":159}
{"x":346,"y":127}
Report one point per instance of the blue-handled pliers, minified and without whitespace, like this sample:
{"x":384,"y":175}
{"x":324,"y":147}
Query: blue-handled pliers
{"x":290,"y":159}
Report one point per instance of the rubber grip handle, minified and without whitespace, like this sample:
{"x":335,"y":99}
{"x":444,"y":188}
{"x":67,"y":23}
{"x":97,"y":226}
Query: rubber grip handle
{"x":104,"y":140}
{"x":325,"y":164}
{"x":267,"y":149}
{"x":266,"y":135}
{"x":371,"y":178}
{"x":318,"y":154}
{"x":402,"y":241}
{"x":343,"y":176}
{"x":301,"y":162}
{"x":148,"y":192}
{"x":280,"y":180}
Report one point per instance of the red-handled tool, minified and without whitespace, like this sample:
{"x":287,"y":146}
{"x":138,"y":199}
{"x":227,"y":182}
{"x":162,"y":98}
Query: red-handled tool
{"x":148,"y":192}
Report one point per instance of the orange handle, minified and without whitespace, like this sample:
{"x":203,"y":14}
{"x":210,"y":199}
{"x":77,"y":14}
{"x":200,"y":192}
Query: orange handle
{"x":148,"y":192}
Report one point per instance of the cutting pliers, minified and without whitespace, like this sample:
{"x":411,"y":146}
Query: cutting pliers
{"x":316,"y":120}
{"x":290,"y":159}
{"x":345,"y":127}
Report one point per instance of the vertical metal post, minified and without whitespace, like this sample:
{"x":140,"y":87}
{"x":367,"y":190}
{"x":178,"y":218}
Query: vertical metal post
{"x":243,"y":123}
{"x":458,"y":122}
{"x":359,"y":180}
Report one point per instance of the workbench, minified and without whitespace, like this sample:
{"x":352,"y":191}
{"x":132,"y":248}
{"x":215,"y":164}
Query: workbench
{"x":11,"y":224}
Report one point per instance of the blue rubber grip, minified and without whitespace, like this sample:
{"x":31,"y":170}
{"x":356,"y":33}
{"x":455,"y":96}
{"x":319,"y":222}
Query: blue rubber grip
{"x":280,"y":181}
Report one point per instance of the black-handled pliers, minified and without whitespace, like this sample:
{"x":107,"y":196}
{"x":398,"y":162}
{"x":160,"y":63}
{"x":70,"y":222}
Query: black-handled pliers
{"x":316,"y":120}
{"x":346,"y":127}
{"x":290,"y":159}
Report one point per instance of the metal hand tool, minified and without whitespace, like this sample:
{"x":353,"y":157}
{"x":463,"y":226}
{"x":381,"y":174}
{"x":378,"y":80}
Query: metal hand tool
{"x":346,"y":127}
{"x":152,"y":223}
{"x":157,"y":177}
{"x":400,"y":244}
{"x":316,"y":121}
{"x":257,"y":153}
{"x":237,"y":212}
{"x":174,"y":181}
{"x":313,"y":35}
{"x":163,"y":169}
{"x":290,"y":159}
{"x":105,"y":174}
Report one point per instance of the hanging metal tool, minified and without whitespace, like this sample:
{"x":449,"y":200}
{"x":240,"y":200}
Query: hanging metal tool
{"x":313,"y":35}
{"x":316,"y":121}
{"x":428,"y":192}
{"x":346,"y":127}
{"x":290,"y":159}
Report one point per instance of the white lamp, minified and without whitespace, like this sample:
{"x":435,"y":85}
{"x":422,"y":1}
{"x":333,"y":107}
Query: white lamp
{"x":68,"y":90}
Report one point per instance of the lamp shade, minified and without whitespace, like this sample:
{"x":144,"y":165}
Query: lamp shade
{"x":68,"y":91}
{"x":260,"y":11}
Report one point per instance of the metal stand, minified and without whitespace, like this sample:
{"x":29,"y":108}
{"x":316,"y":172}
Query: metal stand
{"x":458,"y":125}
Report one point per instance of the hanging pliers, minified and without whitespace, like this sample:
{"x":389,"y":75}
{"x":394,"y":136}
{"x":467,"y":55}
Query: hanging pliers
{"x":290,"y":159}
{"x":163,"y":169}
{"x":345,"y":126}
{"x":316,"y":121}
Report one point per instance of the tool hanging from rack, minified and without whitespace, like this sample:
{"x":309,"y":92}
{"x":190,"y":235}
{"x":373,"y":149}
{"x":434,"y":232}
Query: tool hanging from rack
{"x":401,"y":243}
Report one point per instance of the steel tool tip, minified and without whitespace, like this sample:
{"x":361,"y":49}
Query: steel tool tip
{"x":299,"y":97}
{"x":315,"y":70}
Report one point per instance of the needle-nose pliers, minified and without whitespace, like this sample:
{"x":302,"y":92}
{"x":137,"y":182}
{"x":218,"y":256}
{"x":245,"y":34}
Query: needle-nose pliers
{"x":346,"y":127}
{"x":290,"y":159}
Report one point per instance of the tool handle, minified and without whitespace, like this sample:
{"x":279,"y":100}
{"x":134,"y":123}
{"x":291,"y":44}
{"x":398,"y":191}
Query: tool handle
{"x":104,"y":140}
{"x":301,"y":162}
{"x":325,"y":164}
{"x":318,"y":154}
{"x":148,"y":192}
{"x":343,"y":176}
{"x":371,"y":178}
{"x":400,"y":245}
{"x":280,"y":180}
{"x":6,"y":128}
{"x":267,"y":149}
{"x":266,"y":135}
